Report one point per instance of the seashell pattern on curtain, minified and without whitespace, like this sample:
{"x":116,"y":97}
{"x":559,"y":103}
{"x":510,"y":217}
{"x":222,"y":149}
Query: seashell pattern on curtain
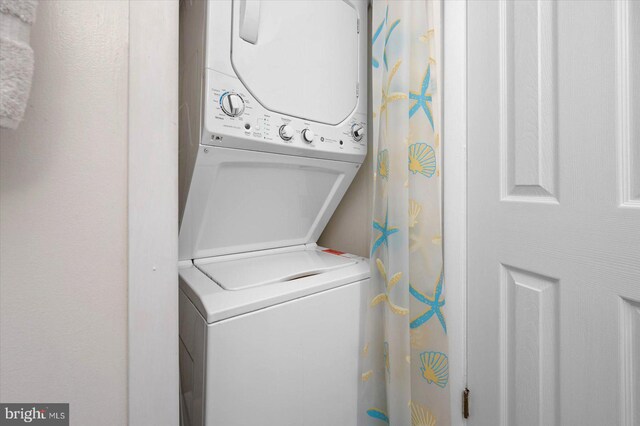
{"x":405,"y":366}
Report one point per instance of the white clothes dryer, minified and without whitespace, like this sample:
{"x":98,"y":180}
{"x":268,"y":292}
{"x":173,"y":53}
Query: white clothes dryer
{"x":272,"y":132}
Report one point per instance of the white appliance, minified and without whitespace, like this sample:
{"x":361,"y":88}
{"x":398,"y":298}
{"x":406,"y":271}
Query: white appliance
{"x":272,"y":134}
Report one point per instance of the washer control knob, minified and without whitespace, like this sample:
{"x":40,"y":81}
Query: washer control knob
{"x":232,"y":104}
{"x":308,"y":135}
{"x":357,"y":131}
{"x":286,"y":132}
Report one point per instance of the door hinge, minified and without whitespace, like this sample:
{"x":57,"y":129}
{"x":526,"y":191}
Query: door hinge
{"x":357,"y":89}
{"x":358,"y":26}
{"x":465,"y":403}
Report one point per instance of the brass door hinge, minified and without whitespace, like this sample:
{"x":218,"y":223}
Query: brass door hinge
{"x":465,"y":403}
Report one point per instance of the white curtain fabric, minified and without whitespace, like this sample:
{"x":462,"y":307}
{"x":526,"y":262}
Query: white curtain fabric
{"x":405,"y":362}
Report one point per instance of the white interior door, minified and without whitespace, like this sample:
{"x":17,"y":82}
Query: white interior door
{"x":554,"y":213}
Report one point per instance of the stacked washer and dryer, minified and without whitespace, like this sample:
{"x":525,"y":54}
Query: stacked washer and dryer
{"x":272,"y":118}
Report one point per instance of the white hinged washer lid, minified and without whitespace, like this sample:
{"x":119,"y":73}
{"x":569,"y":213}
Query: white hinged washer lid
{"x":254,"y":271}
{"x":243,"y":201}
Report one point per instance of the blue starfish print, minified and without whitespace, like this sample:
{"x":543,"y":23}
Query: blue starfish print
{"x":434,"y":303}
{"x":384,"y":22}
{"x":386,"y":41}
{"x":377,"y":413}
{"x":423,"y":99}
{"x":374,"y":61}
{"x":385,"y":231}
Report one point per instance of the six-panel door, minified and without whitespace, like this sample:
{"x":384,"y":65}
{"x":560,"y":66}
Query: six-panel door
{"x":554,"y":213}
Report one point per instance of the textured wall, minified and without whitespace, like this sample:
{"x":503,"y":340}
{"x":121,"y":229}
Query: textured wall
{"x":63,"y":211}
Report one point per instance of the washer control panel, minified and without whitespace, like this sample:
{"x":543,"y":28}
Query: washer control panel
{"x":234,"y":119}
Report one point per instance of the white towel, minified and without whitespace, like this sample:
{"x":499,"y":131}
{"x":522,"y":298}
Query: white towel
{"x":16,"y":59}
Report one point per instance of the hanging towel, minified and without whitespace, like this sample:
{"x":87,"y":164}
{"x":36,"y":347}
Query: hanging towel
{"x":16,"y":59}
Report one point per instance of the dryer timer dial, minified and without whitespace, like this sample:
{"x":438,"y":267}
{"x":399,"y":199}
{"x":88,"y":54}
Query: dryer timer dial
{"x":232,"y":104}
{"x":357,"y":131}
{"x":308,"y":135}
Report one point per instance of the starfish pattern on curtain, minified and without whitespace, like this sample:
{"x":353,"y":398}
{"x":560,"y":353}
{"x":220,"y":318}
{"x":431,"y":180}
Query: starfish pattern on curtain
{"x":405,"y":366}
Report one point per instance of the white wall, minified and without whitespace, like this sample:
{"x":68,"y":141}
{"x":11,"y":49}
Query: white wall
{"x":63,"y":219}
{"x":349,"y":229}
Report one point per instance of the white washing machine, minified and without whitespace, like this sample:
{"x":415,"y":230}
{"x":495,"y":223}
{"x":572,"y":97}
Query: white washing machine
{"x":273,"y":114}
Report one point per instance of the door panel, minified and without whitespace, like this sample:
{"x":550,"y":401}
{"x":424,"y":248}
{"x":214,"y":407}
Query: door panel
{"x":528,"y":104}
{"x":628,"y":22}
{"x":529,"y":345}
{"x":553,"y":213}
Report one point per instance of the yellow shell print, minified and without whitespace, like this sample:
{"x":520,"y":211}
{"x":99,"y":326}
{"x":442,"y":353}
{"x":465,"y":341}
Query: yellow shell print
{"x":422,"y":159}
{"x":383,"y":164}
{"x":420,"y":416}
{"x":414,"y":211}
{"x":435,"y":368}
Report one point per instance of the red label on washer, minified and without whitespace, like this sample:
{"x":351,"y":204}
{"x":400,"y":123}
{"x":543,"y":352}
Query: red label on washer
{"x":332,"y":251}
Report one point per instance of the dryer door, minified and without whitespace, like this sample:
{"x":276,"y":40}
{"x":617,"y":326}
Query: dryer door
{"x":298,"y":58}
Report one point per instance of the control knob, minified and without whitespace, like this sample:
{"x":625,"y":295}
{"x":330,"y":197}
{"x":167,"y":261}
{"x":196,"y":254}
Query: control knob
{"x":232,"y":104}
{"x":357,"y":131}
{"x":308,"y":135}
{"x":286,"y":132}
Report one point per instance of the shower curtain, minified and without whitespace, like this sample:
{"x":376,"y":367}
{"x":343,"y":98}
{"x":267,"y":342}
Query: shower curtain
{"x":405,"y":366}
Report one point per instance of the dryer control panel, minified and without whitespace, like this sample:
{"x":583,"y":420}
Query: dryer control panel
{"x":233,"y":118}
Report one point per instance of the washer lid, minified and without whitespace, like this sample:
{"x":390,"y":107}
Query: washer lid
{"x":217,"y":304}
{"x":242,"y":201}
{"x":254,"y":271}
{"x":298,"y":58}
